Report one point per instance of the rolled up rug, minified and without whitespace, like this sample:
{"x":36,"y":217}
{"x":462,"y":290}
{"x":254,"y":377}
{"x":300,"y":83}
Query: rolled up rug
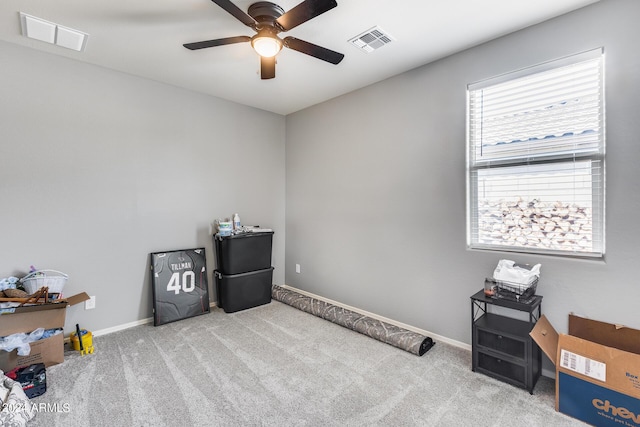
{"x":389,"y":334}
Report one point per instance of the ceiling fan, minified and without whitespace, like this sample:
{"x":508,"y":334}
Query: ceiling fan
{"x":268,"y":20}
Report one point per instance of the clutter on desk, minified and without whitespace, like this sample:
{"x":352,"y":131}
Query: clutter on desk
{"x":513,"y":281}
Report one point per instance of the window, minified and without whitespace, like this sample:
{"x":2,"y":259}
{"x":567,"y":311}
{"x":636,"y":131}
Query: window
{"x":535,"y":159}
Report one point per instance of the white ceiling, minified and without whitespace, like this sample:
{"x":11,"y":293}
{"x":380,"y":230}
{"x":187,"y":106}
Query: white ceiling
{"x":145,"y":38}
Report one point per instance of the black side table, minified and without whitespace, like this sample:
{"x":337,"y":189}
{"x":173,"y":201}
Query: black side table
{"x":501,"y":345}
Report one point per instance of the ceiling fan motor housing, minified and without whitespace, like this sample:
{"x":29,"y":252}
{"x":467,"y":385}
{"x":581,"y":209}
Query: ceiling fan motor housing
{"x":265,"y":12}
{"x":268,"y":20}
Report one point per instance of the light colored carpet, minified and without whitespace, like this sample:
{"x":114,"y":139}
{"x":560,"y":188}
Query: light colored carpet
{"x":274,"y":365}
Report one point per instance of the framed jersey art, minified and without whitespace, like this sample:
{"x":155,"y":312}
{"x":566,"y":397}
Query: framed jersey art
{"x":179,"y":282}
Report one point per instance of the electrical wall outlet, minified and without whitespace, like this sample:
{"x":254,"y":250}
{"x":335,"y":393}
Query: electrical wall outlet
{"x":90,"y":303}
{"x":297,"y":268}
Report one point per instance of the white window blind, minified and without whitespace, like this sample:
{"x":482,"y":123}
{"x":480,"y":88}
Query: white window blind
{"x":536,"y":159}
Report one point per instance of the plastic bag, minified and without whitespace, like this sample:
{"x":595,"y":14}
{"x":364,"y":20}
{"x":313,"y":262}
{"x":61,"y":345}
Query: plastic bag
{"x":509,"y":271}
{"x":8,"y":283}
{"x":20,"y":341}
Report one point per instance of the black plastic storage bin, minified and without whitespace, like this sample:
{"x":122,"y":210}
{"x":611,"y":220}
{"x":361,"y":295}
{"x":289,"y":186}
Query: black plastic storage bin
{"x":245,"y":290}
{"x":240,"y":253}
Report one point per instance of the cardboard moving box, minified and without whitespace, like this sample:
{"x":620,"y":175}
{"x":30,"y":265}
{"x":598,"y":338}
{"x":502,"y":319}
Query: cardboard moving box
{"x":597,"y":370}
{"x":49,"y":351}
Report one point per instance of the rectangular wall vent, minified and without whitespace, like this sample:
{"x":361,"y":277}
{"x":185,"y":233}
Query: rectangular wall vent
{"x":372,"y":39}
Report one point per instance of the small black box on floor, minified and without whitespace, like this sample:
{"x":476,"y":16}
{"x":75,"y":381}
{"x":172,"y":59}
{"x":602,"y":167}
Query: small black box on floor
{"x":32,"y":378}
{"x":243,"y":252}
{"x":245,"y":290}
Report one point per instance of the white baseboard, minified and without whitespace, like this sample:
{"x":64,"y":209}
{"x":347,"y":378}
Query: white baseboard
{"x":435,"y":337}
{"x":122,"y":327}
{"x":300,"y":291}
{"x":130,"y":325}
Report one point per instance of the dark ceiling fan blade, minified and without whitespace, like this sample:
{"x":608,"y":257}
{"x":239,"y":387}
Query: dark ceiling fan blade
{"x":313,"y":50}
{"x":267,"y":67}
{"x":236,"y":12}
{"x":306,"y":10}
{"x":217,"y":42}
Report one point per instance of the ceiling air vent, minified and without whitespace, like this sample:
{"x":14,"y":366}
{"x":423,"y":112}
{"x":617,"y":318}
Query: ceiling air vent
{"x":39,"y":29}
{"x":371,"y":39}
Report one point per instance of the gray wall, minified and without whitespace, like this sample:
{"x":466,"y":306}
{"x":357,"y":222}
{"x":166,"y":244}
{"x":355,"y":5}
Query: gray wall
{"x":375,"y":189}
{"x":375,"y":181}
{"x":100,"y":168}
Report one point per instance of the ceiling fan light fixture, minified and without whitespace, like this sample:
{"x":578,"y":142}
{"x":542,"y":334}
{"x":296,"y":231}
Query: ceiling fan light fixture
{"x":266,"y":46}
{"x":268,"y":20}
